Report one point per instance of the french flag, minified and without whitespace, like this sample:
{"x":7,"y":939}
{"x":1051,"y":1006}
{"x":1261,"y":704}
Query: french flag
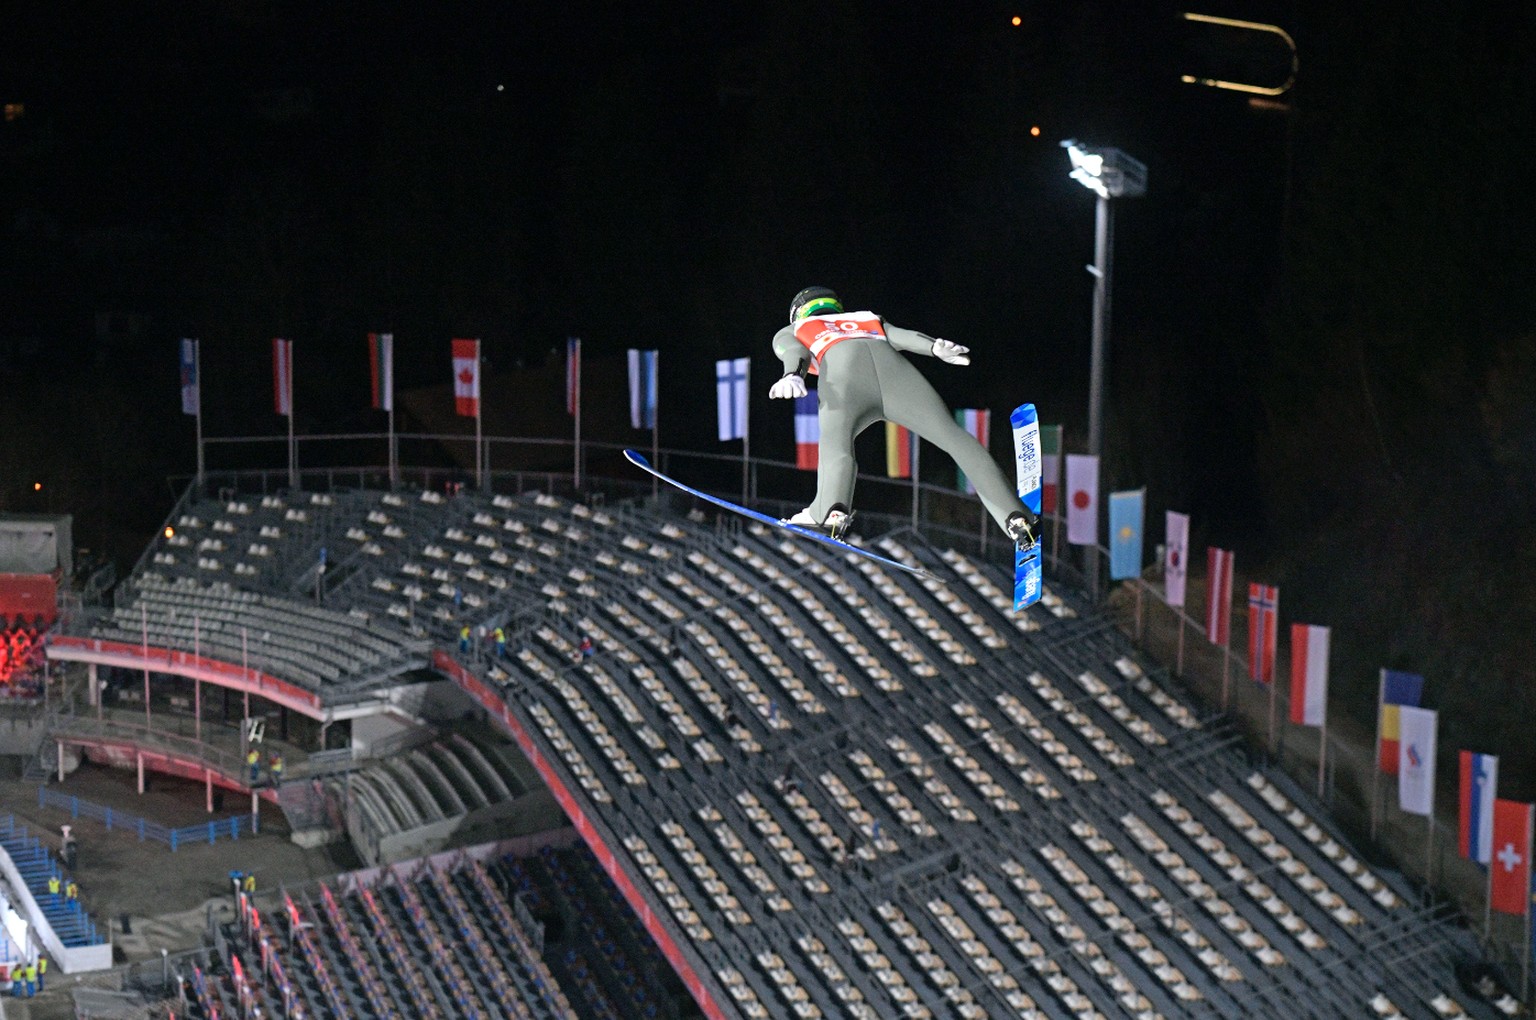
{"x":807,"y":432}
{"x":1479,"y":781}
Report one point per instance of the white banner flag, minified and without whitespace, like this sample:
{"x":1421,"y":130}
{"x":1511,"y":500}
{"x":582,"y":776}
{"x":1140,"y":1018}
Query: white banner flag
{"x":1175,"y":557}
{"x":1082,"y":499}
{"x":1416,"y":760}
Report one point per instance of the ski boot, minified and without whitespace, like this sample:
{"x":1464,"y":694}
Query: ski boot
{"x":1023,"y":528}
{"x":836,"y":524}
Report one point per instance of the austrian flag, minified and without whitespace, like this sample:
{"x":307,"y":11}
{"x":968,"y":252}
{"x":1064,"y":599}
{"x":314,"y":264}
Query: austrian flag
{"x":466,"y":378}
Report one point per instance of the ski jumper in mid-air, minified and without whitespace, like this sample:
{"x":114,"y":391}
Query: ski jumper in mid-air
{"x":864,"y":379}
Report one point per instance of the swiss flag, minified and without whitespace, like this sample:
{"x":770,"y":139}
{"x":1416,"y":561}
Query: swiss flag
{"x":1509,"y":873}
{"x":466,"y":378}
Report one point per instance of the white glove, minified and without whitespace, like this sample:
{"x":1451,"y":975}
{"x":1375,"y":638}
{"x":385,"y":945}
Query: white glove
{"x":789,"y":386}
{"x":951,"y":353}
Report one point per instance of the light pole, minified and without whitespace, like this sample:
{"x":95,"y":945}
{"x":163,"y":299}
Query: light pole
{"x":1108,"y":173}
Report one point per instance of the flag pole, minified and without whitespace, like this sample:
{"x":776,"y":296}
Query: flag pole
{"x":575,"y":353}
{"x":197,"y":374}
{"x":1226,"y":662}
{"x":479,"y":410}
{"x":1178,"y":666}
{"x":1488,"y":904}
{"x":1322,"y":752}
{"x":197,"y":682}
{"x":1381,"y":697}
{"x":1272,"y":685}
{"x":917,"y":451}
{"x":656,"y":425}
{"x":293,"y":444}
{"x":1429,"y":851}
{"x":394,"y":449}
{"x":746,"y":431}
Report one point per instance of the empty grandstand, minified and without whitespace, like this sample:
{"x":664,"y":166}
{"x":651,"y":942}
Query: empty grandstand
{"x":823,"y":788}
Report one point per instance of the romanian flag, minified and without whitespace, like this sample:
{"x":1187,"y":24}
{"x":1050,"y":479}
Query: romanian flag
{"x":1397,"y":689}
{"x":807,"y":432}
{"x":900,"y":444}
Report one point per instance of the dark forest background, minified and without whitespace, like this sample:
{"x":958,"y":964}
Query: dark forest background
{"x":1324,"y":345}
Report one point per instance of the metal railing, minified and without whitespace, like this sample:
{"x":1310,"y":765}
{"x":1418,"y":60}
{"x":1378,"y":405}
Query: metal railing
{"x":211,"y":831}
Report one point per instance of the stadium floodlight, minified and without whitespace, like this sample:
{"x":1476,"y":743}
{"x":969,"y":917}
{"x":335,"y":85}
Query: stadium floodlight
{"x":1108,"y":173}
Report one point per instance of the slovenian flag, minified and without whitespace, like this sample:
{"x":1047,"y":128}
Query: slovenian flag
{"x":381,"y":370}
{"x":731,"y":397}
{"x":1479,"y":783}
{"x":1050,"y":468}
{"x":1218,"y":595}
{"x":282,"y":376}
{"x":978,"y":422}
{"x":572,"y":374}
{"x":1397,"y":689}
{"x":1175,"y":556}
{"x":1126,"y":510}
{"x":900,"y":444}
{"x":807,"y":432}
{"x":1263,"y":628}
{"x":466,"y":378}
{"x":1309,"y":674}
{"x":190,"y":390}
{"x":642,"y":388}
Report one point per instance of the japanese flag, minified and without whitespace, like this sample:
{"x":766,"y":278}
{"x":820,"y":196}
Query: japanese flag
{"x":1082,"y":499}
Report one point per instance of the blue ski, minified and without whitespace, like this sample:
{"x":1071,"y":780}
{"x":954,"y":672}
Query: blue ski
{"x":639,"y":461}
{"x":1027,"y":580}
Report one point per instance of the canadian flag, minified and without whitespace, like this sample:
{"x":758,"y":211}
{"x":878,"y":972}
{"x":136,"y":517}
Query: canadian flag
{"x":466,"y":378}
{"x":1509,"y":874}
{"x":1082,"y":499}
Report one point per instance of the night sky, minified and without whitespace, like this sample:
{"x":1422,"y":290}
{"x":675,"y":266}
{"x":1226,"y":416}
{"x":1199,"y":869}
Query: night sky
{"x":1322,"y":343}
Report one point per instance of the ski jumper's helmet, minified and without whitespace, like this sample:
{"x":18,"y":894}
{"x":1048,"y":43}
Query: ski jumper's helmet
{"x":813,"y":301}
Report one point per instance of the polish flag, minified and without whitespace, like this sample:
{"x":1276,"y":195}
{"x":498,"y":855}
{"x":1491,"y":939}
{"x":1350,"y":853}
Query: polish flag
{"x":1309,"y":674}
{"x":1218,"y":595}
{"x":1263,"y":625}
{"x":807,"y":432}
{"x":282,"y":376}
{"x":1509,"y":881}
{"x":1175,"y":557}
{"x":466,"y":378}
{"x":1082,"y":499}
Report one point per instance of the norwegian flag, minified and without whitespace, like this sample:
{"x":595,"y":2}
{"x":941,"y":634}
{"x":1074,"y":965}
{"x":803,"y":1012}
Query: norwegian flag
{"x":1263,"y":625}
{"x":282,"y":376}
{"x":807,"y":432}
{"x":1218,"y":595}
{"x":978,"y":422}
{"x":572,"y":374}
{"x":466,"y":378}
{"x":381,"y":370}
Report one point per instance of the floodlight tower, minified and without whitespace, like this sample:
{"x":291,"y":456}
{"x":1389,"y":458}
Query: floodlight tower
{"x":1109,"y":174}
